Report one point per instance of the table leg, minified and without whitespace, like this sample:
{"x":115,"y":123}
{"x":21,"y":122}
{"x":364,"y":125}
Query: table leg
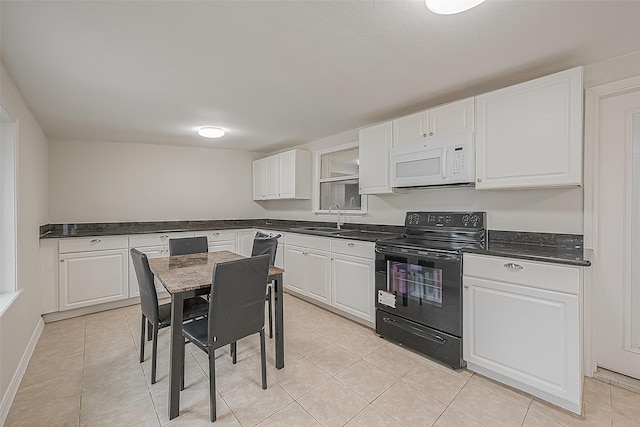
{"x":176,"y":356}
{"x":279,"y":332}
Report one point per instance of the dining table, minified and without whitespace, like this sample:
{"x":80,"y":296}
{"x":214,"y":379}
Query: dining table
{"x":185,"y":276}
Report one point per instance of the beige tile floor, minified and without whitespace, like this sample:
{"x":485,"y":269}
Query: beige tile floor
{"x":85,"y":372}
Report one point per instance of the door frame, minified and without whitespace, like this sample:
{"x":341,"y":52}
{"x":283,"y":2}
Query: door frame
{"x":591,"y":192}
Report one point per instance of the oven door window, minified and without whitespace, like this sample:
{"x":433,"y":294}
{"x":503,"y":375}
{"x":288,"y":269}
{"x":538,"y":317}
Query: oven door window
{"x":419,"y":283}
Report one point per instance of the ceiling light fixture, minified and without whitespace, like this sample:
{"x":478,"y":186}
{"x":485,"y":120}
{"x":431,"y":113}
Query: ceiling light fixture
{"x":449,"y":7}
{"x":211,"y":132}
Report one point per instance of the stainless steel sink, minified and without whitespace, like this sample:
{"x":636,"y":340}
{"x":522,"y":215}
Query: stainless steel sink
{"x":323,"y":230}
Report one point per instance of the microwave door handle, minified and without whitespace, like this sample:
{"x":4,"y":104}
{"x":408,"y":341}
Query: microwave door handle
{"x":443,"y":163}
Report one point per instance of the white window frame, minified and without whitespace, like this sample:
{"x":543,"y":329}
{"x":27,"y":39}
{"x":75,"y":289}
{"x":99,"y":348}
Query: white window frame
{"x":8,"y":206}
{"x":317,"y":181}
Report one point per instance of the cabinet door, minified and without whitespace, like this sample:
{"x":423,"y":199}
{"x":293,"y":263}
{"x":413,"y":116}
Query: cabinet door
{"x":318,"y":279}
{"x":287,"y":176}
{"x":294,"y":269}
{"x":411,"y":130}
{"x":452,"y":119}
{"x":525,"y":337}
{"x":89,"y":278}
{"x":530,"y":135}
{"x":244,"y":242}
{"x":259,"y":179}
{"x":375,"y":142}
{"x":352,"y":280}
{"x":222,"y":245}
{"x":273,"y":177}
{"x":280,"y":256}
{"x":150,"y":252}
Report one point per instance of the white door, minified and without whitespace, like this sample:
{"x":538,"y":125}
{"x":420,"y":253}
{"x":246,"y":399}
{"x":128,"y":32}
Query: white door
{"x":352,"y":285}
{"x":318,"y":270}
{"x":616,"y":287}
{"x":150,"y":252}
{"x":294,"y":269}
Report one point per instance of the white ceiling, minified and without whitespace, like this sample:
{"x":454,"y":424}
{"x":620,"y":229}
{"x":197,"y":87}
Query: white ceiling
{"x":279,"y":73}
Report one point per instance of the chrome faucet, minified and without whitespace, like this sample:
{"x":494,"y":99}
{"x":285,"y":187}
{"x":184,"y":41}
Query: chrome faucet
{"x":338,"y":224}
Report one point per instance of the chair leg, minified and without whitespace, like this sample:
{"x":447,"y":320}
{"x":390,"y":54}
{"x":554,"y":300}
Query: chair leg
{"x":212,"y":384}
{"x":184,"y":350}
{"x":263,"y":360}
{"x":154,"y":354}
{"x":234,"y":352}
{"x":149,"y":329}
{"x":144,"y":322}
{"x":270,"y":311}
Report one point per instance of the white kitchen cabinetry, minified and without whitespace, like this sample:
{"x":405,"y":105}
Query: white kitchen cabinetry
{"x":260,"y":179}
{"x":446,"y":120}
{"x":521,"y":326}
{"x":352,"y":277}
{"x":49,"y":261}
{"x":530,"y":135}
{"x":307,"y":266}
{"x":155,"y":245}
{"x":283,"y":176}
{"x":219,"y":240}
{"x":374,"y":145}
{"x":92,"y":271}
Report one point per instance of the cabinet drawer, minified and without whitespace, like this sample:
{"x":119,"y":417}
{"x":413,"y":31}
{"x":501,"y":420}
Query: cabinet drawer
{"x":88,"y":244}
{"x":217,"y":235}
{"x":321,"y":243}
{"x":540,"y":275}
{"x":156,"y":239}
{"x":353,"y":247}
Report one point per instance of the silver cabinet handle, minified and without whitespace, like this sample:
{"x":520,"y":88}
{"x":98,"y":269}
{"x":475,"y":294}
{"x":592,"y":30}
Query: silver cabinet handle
{"x":466,"y":286}
{"x":95,"y":241}
{"x":424,"y":135}
{"x":513,"y":266}
{"x":479,"y":180}
{"x":430,"y":133}
{"x":216,"y":234}
{"x":351,"y":245}
{"x":164,"y":236}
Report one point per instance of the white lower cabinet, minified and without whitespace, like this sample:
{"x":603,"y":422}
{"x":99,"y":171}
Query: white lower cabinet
{"x":307,"y":266}
{"x":220,"y":240}
{"x":92,"y":271}
{"x":521,"y":326}
{"x":155,"y":245}
{"x":352,"y":278}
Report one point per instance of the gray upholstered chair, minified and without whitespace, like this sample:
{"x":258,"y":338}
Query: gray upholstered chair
{"x":236,"y":310}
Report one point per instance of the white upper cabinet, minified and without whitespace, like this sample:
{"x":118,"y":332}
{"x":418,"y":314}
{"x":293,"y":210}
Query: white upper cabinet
{"x":273,"y":177}
{"x":283,"y":176}
{"x":530,"y":135}
{"x":375,"y":143}
{"x":260,"y":179}
{"x":450,"y":119}
{"x":294,"y":175}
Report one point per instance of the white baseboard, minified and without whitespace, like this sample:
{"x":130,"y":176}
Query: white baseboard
{"x":10,"y":394}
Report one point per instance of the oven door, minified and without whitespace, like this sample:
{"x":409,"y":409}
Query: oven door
{"x":424,"y":287}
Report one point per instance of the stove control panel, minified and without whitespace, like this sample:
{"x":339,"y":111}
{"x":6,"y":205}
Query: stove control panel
{"x":446,"y":219}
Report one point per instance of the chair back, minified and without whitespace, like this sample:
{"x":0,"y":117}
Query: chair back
{"x":148,"y":295}
{"x":188,"y":245}
{"x":236,"y":305}
{"x":265,"y":244}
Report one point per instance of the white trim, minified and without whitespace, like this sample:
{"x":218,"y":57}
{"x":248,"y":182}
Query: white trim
{"x":8,"y":211}
{"x":12,"y":390}
{"x":6,"y":299}
{"x":593,"y":97}
{"x":364,"y":207}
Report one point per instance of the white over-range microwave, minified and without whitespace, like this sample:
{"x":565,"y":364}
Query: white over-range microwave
{"x":440,"y":161}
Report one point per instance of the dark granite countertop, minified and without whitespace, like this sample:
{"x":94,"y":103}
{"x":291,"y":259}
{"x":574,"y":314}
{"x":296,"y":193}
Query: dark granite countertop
{"x":545,"y":247}
{"x":364,"y":232}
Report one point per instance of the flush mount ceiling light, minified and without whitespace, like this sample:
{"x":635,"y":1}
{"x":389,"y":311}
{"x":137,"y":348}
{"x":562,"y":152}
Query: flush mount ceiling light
{"x":449,"y":7}
{"x":211,"y":132}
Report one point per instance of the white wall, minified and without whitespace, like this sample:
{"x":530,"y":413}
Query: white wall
{"x":551,"y":210}
{"x":20,"y":320}
{"x":111,"y":182}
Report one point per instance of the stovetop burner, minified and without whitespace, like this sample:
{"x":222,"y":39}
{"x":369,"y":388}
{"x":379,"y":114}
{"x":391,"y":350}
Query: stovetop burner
{"x":447,"y":231}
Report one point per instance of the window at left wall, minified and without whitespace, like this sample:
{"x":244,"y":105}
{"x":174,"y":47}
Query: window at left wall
{"x":8,"y":224}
